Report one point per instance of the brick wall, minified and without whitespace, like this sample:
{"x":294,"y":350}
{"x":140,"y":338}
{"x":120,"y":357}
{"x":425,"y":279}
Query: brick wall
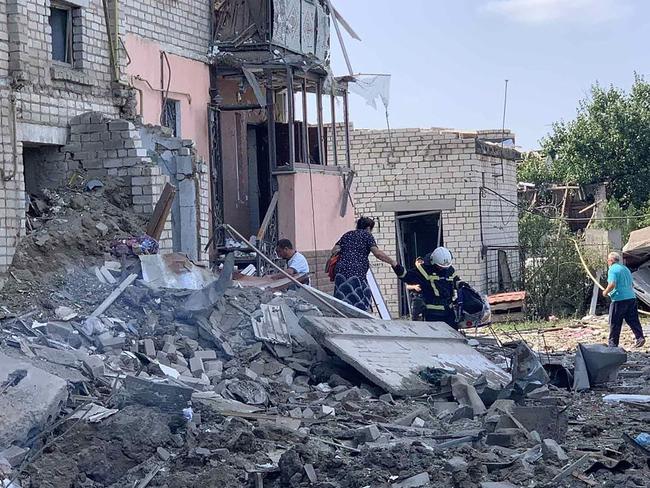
{"x":49,"y":93}
{"x":424,"y":165}
{"x":319,"y":278}
{"x":181,"y":27}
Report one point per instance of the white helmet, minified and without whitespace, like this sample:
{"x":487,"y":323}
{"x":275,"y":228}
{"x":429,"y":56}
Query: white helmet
{"x":442,"y":257}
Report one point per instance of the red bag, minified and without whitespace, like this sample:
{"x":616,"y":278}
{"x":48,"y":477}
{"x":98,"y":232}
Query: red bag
{"x":330,"y":268}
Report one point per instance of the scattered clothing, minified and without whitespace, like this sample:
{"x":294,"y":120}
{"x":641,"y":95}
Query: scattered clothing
{"x":627,"y":310}
{"x":622,"y":277}
{"x":350,"y":283}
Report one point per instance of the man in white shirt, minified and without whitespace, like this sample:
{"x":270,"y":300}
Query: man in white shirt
{"x":296,"y":263}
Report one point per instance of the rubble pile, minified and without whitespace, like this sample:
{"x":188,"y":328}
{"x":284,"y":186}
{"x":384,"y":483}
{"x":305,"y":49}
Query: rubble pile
{"x":69,"y":230}
{"x":121,"y":383}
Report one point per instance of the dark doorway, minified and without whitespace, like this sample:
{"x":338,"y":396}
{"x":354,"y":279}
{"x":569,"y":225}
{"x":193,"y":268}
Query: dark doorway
{"x":264,"y":183}
{"x":419,"y":233}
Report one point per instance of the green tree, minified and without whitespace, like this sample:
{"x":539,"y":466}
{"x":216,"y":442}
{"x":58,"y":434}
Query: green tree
{"x":608,"y":141}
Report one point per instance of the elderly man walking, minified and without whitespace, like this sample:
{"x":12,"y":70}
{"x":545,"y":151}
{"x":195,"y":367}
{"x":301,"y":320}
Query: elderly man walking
{"x":623,"y":306}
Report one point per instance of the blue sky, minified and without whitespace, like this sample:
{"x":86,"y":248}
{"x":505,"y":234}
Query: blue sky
{"x":449,"y":58}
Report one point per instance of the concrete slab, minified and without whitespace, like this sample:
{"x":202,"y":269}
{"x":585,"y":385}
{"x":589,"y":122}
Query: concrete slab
{"x":29,"y":405}
{"x":391,"y":353}
{"x":168,"y":397}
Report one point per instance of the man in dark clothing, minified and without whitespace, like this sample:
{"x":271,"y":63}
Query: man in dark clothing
{"x":438,"y":283}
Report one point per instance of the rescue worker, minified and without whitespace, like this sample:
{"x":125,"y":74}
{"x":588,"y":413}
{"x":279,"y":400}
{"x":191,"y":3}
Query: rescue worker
{"x":438,"y":283}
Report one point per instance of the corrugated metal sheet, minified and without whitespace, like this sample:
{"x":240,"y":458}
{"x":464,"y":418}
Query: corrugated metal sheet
{"x":392,"y":353}
{"x":271,"y":326}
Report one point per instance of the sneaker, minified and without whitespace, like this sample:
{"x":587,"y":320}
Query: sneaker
{"x":640,"y":342}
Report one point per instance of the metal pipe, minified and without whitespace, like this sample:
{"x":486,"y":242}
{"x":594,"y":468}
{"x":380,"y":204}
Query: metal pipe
{"x":111,"y":40}
{"x":305,"y":128}
{"x":14,"y":139}
{"x":322,"y":158}
{"x":236,"y":234}
{"x":346,"y":121}
{"x":334,"y":141}
{"x":291,"y":117}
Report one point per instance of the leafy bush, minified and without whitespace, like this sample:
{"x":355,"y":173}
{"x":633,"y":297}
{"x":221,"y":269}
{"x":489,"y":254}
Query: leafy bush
{"x":555,"y":280}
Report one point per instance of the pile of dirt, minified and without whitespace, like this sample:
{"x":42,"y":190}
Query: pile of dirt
{"x":69,"y":230}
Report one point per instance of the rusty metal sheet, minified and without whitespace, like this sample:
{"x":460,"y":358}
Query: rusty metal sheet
{"x":271,"y":325}
{"x":308,"y":28}
{"x":391,"y":353}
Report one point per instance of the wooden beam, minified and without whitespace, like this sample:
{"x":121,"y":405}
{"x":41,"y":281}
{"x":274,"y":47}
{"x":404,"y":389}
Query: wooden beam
{"x":161,"y":212}
{"x":322,"y":156}
{"x":291,"y":109}
{"x":305,"y":128}
{"x":268,"y":216}
{"x":333,"y":107}
{"x":114,"y":295}
{"x":347,"y":185}
{"x":346,"y":122}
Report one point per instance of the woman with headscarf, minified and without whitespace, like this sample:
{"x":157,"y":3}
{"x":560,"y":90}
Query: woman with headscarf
{"x":353,"y":249}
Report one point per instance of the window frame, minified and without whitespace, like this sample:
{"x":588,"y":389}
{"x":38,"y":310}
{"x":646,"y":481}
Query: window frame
{"x":69,"y":34}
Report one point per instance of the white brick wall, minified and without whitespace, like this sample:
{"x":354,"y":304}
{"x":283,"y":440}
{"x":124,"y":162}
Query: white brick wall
{"x":51,"y":93}
{"x":425,"y":164}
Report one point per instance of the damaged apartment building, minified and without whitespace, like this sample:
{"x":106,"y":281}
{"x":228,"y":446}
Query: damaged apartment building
{"x":227,"y":101}
{"x":100,"y":89}
{"x":433,"y":187}
{"x":283,"y":159}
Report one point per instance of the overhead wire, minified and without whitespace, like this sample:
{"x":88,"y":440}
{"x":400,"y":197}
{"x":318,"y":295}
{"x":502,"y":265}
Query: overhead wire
{"x":567,"y":219}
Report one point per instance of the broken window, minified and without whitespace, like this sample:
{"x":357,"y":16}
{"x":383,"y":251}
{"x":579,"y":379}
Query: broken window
{"x":171,"y":116}
{"x":61,"y":26}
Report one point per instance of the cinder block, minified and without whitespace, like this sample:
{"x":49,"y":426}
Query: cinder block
{"x":196,"y":366}
{"x":149,"y":348}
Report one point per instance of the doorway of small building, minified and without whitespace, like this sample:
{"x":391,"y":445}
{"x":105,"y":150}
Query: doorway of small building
{"x":44,"y":167}
{"x":418,"y":233}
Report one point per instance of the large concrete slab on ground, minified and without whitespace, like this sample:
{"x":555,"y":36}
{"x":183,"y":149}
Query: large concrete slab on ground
{"x":30,"y":399}
{"x":392,"y":353}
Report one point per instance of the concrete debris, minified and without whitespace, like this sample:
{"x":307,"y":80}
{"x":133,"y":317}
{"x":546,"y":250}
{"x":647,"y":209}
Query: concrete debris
{"x":30,"y":398}
{"x":389,"y":353}
{"x":14,"y":455}
{"x":65,"y":313}
{"x":94,"y":413}
{"x":552,"y":451}
{"x":421,"y":479}
{"x":172,"y":381}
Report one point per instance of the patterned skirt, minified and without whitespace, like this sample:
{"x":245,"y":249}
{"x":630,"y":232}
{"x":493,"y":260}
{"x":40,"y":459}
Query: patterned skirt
{"x":353,"y":290}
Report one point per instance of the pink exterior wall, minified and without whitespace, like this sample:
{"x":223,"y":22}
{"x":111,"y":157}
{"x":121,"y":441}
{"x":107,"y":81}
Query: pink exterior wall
{"x":295,"y":210}
{"x":189,"y":84}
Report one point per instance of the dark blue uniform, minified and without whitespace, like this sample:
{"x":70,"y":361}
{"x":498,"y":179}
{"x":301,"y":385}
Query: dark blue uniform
{"x":439,"y":289}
